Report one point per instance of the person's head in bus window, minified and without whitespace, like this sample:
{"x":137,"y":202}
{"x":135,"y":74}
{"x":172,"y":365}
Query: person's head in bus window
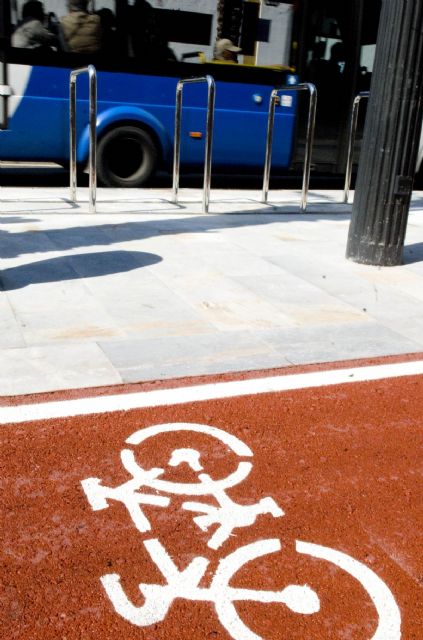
{"x":78,"y":5}
{"x":33,"y":9}
{"x":226,"y":50}
{"x":108,"y":30}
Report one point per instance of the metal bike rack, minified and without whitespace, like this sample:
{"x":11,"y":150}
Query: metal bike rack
{"x":353,"y":129}
{"x":274,"y":98}
{"x":209,"y":137}
{"x":93,"y":133}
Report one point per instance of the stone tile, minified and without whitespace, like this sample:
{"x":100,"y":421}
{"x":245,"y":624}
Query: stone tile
{"x":144,"y":306}
{"x":410,"y":328}
{"x":63,"y":311}
{"x":326,"y":343}
{"x":53,"y":367}
{"x":227,"y":305}
{"x":10,"y":329}
{"x":387,"y":306}
{"x":187,"y":356}
{"x":303,"y":302}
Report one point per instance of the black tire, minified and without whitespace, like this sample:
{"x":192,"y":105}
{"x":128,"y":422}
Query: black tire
{"x":126,"y":157}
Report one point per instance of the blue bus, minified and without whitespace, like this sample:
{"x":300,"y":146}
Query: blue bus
{"x":140,"y":52}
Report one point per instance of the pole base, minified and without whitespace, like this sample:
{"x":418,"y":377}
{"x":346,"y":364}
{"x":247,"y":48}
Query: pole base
{"x":379,"y":255}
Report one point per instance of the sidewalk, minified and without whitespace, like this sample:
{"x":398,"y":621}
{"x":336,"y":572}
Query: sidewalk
{"x":145,"y":289}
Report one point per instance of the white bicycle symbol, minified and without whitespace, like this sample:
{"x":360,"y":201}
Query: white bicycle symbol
{"x":227,"y":514}
{"x":148,"y":487}
{"x":299,"y":599}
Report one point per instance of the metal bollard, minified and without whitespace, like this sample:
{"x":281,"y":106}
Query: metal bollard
{"x":93,"y":134}
{"x":311,"y":123}
{"x":353,"y":129}
{"x":209,"y":137}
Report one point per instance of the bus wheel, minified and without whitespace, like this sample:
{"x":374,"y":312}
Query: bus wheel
{"x":126,"y":157}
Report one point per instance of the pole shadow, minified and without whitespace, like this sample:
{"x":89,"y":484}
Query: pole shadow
{"x":413,"y":253}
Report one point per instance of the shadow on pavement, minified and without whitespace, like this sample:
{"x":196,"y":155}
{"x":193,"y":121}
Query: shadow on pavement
{"x":16,"y":219}
{"x":85,"y":265}
{"x":42,"y":241}
{"x":413,"y":253}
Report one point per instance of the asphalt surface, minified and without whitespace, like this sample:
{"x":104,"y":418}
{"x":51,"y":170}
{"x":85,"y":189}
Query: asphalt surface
{"x":263,"y":508}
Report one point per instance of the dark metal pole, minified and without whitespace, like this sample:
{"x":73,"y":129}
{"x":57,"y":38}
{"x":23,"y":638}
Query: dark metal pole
{"x":391,"y":137}
{"x":5,"y":89}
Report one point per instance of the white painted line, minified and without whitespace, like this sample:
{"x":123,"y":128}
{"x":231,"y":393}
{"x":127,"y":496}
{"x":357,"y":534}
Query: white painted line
{"x":204,"y":392}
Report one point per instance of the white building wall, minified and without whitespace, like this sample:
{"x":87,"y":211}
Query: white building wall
{"x":277,"y":50}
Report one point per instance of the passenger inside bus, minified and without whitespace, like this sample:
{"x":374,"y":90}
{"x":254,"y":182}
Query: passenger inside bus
{"x":82,"y":30}
{"x":226,"y":51}
{"x":31,"y":32}
{"x":317,"y":67}
{"x":109,"y":39}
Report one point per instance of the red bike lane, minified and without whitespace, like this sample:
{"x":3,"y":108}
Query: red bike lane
{"x":292,"y":513}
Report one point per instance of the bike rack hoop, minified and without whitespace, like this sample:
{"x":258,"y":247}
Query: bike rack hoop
{"x":209,"y":137}
{"x":274,"y":98}
{"x":351,"y":140}
{"x":92,"y":75}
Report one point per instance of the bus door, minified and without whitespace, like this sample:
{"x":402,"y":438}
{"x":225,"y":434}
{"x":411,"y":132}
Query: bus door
{"x":5,"y":89}
{"x":335,"y":53}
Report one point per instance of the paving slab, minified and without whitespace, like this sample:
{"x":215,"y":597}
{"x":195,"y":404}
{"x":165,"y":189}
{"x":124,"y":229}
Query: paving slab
{"x":146,"y":289}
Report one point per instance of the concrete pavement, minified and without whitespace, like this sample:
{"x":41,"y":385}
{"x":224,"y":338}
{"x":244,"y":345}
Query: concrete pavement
{"x":145,"y":289}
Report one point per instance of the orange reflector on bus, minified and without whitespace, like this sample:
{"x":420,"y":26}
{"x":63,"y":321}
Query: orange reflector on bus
{"x":195,"y":134}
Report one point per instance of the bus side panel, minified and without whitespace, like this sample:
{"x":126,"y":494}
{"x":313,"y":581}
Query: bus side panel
{"x":240,"y":126}
{"x":39,"y":126}
{"x":39,"y":122}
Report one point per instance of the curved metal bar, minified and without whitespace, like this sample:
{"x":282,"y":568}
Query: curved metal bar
{"x":269,"y":144}
{"x":211,"y":91}
{"x":92,"y":162}
{"x":353,"y":129}
{"x":311,"y":123}
{"x":177,"y":143}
